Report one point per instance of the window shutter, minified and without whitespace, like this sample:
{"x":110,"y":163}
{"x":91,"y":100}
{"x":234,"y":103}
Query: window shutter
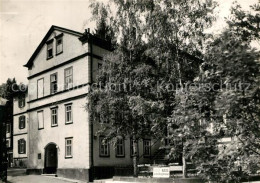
{"x":20,"y":122}
{"x":19,"y":144}
{"x":24,"y":146}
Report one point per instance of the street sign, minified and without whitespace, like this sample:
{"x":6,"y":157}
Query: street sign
{"x":161,"y":172}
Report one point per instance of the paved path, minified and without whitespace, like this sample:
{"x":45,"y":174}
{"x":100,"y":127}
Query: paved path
{"x":19,"y":176}
{"x":36,"y":179}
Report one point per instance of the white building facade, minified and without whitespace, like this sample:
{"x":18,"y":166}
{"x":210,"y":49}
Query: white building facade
{"x":58,"y":133}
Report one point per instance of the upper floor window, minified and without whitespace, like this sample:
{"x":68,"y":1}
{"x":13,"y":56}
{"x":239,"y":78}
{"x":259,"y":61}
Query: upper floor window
{"x":68,"y":147}
{"x":8,"y":128}
{"x":21,"y":101}
{"x":68,"y":113}
{"x":59,"y":44}
{"x":54,"y":85}
{"x":40,"y":88}
{"x":8,"y":144}
{"x":103,"y":147}
{"x":120,"y":148}
{"x":22,"y":122}
{"x":147,"y":147}
{"x":54,"y":116}
{"x":99,"y":66}
{"x":40,"y":120}
{"x":68,"y":77}
{"x":21,"y":146}
{"x":50,"y":49}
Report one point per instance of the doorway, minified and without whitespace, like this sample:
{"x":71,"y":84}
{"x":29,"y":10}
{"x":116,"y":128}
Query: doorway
{"x":50,"y":159}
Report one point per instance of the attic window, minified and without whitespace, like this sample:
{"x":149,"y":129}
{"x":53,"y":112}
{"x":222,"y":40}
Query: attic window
{"x":59,"y":44}
{"x":50,"y":49}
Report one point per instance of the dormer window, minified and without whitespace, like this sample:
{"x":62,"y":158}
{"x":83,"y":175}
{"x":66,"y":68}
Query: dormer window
{"x":50,"y":49}
{"x":59,"y":44}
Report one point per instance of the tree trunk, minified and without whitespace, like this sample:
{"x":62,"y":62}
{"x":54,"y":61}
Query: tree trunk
{"x":184,"y":165}
{"x":135,"y":158}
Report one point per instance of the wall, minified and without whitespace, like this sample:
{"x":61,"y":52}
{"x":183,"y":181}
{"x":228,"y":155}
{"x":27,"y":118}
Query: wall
{"x":79,"y":130}
{"x":127,"y":160}
{"x":72,"y":47}
{"x":16,"y":108}
{"x":20,"y":160}
{"x":80,"y":76}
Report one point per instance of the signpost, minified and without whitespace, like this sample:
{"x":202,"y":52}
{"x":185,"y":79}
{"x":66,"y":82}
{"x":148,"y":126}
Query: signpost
{"x":161,"y":172}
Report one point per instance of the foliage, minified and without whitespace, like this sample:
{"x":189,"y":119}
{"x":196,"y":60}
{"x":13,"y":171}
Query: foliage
{"x":234,"y":65}
{"x":6,"y":91}
{"x":138,"y":80}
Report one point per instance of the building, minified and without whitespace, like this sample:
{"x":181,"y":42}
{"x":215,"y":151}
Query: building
{"x":58,"y":135}
{"x":3,"y":149}
{"x":20,"y":129}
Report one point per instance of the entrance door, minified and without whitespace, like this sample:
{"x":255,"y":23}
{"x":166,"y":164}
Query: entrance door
{"x":51,"y":159}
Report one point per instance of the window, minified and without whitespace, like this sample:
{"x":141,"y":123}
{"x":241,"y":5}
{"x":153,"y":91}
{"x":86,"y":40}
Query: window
{"x":21,"y":101}
{"x":50,"y":49}
{"x":21,"y":122}
{"x":39,"y":156}
{"x":40,"y":120}
{"x":59,"y":45}
{"x":68,"y":78}
{"x":8,"y":144}
{"x":68,"y":147}
{"x":21,"y":146}
{"x":120,"y":148}
{"x":99,"y":66}
{"x":68,"y":113}
{"x":103,"y":147}
{"x":147,"y":147}
{"x":40,"y":88}
{"x":132,"y":148}
{"x":54,"y":116}
{"x":8,"y":128}
{"x":54,"y":86}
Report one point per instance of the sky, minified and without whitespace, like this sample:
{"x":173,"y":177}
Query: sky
{"x":24,"y":23}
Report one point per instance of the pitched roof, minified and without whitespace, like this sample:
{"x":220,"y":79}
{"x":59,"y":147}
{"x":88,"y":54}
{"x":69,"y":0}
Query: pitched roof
{"x":53,"y":27}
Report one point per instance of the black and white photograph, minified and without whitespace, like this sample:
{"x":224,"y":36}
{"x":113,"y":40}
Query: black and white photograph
{"x":129,"y":91}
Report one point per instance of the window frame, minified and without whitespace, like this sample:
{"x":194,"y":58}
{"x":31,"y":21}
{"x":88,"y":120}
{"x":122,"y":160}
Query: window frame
{"x":8,"y":128}
{"x":21,"y":101}
{"x":22,"y":120}
{"x":101,"y":145}
{"x":66,"y":86}
{"x":123,"y":148}
{"x":71,"y":113}
{"x":145,"y":146}
{"x":21,"y":146}
{"x":59,"y":37}
{"x":42,"y":87}
{"x":71,"y":147}
{"x":9,"y":143}
{"x":50,"y":42}
{"x":52,"y":114}
{"x":52,"y":91}
{"x":41,"y":111}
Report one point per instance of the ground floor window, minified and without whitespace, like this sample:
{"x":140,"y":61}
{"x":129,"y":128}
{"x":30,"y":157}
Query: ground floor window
{"x":120,"y":148}
{"x":68,"y":147}
{"x":147,"y":147}
{"x":103,"y":147}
